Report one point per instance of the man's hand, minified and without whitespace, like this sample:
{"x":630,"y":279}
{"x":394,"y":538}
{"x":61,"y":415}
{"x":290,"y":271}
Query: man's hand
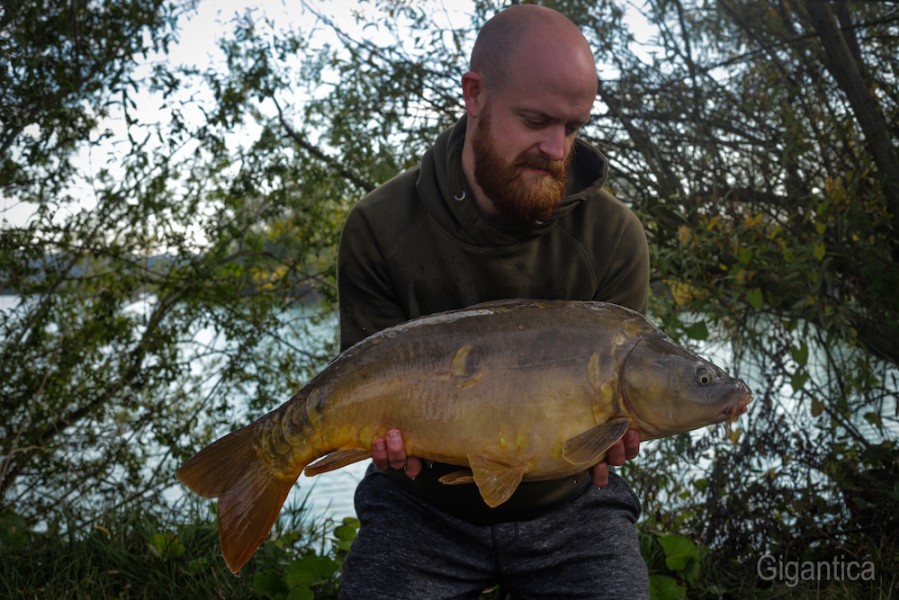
{"x":390,"y":453}
{"x":624,"y":449}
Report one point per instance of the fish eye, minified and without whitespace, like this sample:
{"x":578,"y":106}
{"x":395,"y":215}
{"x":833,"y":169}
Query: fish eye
{"x":704,"y":375}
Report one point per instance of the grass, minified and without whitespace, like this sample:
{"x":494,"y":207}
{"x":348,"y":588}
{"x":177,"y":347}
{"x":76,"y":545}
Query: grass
{"x":133,"y":554}
{"x":136,"y":555}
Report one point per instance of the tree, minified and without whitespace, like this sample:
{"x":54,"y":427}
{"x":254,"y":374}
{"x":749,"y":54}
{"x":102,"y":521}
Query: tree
{"x":151,"y":292}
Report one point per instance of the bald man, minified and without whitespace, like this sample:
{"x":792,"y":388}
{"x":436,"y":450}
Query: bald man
{"x":508,"y":203}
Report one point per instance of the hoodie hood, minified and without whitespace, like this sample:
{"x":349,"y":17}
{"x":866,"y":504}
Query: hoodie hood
{"x":443,"y":188}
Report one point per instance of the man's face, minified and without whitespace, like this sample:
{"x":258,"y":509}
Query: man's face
{"x":528,"y":185}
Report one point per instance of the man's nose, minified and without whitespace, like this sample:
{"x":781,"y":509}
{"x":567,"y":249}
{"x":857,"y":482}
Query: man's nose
{"x":554,"y":143}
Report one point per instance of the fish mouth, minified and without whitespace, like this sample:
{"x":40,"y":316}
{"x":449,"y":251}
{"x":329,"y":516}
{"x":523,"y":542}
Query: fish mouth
{"x":730,"y":413}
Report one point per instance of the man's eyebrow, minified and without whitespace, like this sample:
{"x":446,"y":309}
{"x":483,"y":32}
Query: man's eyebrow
{"x":543,"y":116}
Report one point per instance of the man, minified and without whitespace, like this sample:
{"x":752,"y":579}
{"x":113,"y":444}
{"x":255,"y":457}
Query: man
{"x":506,"y":204}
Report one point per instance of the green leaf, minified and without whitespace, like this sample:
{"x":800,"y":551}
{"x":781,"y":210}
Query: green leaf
{"x":197,"y":566}
{"x":13,"y":530}
{"x":800,"y":353}
{"x":308,"y":570}
{"x":819,"y":251}
{"x":301,"y":593}
{"x":347,"y":530}
{"x":691,"y":572}
{"x":297,"y":575}
{"x":665,"y":587}
{"x":697,"y":331}
{"x":679,"y":551}
{"x":345,"y":534}
{"x":166,"y":545}
{"x":756,"y":298}
{"x":874,"y":419}
{"x":798,"y":380}
{"x":269,"y":584}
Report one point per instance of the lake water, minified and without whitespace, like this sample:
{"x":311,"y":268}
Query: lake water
{"x":326,"y":496}
{"x":330,"y":495}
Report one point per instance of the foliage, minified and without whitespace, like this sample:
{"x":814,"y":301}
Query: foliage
{"x":184,"y":272}
{"x":674,"y":563}
{"x":128,"y":553}
{"x":67,"y":66}
{"x":164,"y":281}
{"x":310,"y":575}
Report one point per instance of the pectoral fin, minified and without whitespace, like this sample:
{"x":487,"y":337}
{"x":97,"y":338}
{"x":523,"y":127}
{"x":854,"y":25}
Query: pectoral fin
{"x":496,"y":481}
{"x":336,"y":460}
{"x":457,"y":478}
{"x":589,"y":447}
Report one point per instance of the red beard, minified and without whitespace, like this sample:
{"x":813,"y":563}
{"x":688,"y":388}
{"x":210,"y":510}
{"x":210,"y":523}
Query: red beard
{"x":525,"y":197}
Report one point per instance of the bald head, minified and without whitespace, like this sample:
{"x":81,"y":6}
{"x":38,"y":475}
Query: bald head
{"x":516,"y":36}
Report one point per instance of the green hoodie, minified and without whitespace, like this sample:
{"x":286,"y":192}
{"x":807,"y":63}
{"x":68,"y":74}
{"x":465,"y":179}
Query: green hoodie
{"x":418,"y":245}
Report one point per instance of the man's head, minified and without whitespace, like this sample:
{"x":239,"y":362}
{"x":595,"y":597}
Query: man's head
{"x":530,"y":87}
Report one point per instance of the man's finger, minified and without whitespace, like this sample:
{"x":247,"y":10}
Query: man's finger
{"x":414,"y":466}
{"x":615,"y":455}
{"x":631,"y":443}
{"x":379,"y":454}
{"x":600,"y":475}
{"x":396,"y":452}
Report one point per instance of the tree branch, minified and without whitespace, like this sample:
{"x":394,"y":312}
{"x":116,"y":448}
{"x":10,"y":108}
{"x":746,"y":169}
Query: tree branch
{"x":849,"y":75}
{"x":333,"y":163}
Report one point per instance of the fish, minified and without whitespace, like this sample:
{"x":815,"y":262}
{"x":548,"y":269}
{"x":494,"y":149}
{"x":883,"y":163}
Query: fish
{"x":510,"y":391}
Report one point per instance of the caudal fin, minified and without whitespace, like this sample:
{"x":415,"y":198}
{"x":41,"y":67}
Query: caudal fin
{"x":249,"y":495}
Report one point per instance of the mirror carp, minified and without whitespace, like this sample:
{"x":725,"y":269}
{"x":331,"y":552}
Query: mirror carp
{"x":509,"y":391}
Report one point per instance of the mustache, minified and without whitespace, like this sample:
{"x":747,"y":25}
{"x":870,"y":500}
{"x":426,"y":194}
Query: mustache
{"x":556,"y":168}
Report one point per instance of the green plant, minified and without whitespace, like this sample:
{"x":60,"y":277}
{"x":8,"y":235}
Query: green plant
{"x":133,"y":553}
{"x":311,"y":575}
{"x":674,"y":563}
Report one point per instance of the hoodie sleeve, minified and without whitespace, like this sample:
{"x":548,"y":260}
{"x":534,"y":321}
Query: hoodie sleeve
{"x":367,"y":300}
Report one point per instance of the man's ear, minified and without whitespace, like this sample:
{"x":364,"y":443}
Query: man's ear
{"x":473,"y":93}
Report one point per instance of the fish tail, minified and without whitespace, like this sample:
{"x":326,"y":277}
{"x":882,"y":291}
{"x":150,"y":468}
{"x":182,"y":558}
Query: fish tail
{"x":250,"y":494}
